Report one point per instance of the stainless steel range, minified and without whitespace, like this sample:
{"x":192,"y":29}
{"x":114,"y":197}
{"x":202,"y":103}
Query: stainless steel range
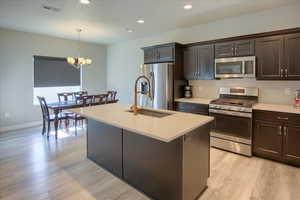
{"x":232,"y":128}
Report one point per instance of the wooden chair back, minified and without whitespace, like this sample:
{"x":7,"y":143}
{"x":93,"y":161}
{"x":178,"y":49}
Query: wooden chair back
{"x":44,"y":107}
{"x":100,"y":99}
{"x":80,"y":93}
{"x":85,"y":100}
{"x":111,"y":95}
{"x":66,"y":96}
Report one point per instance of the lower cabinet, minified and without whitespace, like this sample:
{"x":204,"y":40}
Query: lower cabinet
{"x":201,"y":109}
{"x":268,"y":138}
{"x":277,"y":136}
{"x":291,"y":143}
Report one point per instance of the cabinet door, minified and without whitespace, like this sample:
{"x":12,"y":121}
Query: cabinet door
{"x":269,"y":54}
{"x":267,"y":139}
{"x":291,"y":143}
{"x":150,"y":55}
{"x":244,"y":48}
{"x":205,"y":62}
{"x":165,"y":54}
{"x":224,"y":50}
{"x":190,"y":63}
{"x":292,"y":58}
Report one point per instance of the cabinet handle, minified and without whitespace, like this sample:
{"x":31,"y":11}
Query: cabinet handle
{"x":285,"y":131}
{"x":235,"y":51}
{"x":279,"y":130}
{"x":283,"y":118}
{"x":281,"y":72}
{"x":286,"y":73}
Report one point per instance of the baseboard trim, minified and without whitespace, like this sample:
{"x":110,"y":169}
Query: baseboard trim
{"x":20,"y":126}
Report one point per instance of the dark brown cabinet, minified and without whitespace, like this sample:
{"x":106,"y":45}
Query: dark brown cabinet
{"x":235,"y":48}
{"x":268,"y":139}
{"x":278,"y":57}
{"x":160,"y":53}
{"x":269,"y":56}
{"x":199,"y":62}
{"x":201,"y":109}
{"x":292,"y":58}
{"x":291,"y":143}
{"x":277,"y":136}
{"x":149,"y":55}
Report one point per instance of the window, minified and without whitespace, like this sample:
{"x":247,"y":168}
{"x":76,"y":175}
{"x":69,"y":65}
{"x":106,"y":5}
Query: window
{"x":54,"y":75}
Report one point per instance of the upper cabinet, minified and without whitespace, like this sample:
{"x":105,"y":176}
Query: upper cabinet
{"x":160,"y":53}
{"x":292,"y":56}
{"x":269,"y":56}
{"x":278,"y":57}
{"x":234,"y":48}
{"x":199,"y":62}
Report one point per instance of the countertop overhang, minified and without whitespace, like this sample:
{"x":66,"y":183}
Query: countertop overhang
{"x":164,"y":129}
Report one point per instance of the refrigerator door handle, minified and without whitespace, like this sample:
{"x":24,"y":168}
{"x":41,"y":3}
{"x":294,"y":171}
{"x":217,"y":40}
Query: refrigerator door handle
{"x":153,"y":85}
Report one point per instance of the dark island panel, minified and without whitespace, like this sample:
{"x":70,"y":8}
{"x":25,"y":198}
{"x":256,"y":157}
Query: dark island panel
{"x":153,"y":166}
{"x":104,"y":146}
{"x":196,"y":158}
{"x":177,"y":170}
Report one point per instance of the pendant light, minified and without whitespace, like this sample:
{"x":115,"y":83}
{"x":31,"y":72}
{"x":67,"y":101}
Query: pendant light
{"x":79,"y":61}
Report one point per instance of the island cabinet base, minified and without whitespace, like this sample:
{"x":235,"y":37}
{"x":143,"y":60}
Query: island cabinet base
{"x":177,"y":170}
{"x":104,"y":146}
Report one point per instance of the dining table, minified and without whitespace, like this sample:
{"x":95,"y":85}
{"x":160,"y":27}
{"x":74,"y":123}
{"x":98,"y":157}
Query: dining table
{"x":58,"y":107}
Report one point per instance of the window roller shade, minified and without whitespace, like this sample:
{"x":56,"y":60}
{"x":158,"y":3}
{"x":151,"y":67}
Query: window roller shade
{"x":54,"y":72}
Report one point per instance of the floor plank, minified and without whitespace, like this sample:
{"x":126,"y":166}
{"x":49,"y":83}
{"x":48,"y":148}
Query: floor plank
{"x":34,"y":167}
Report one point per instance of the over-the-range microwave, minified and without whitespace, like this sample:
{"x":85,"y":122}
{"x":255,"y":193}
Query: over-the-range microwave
{"x":237,"y":67}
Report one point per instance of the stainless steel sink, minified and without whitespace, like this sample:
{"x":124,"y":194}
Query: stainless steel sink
{"x":152,"y":113}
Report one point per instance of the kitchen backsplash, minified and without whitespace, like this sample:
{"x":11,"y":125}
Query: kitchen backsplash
{"x":273,"y":92}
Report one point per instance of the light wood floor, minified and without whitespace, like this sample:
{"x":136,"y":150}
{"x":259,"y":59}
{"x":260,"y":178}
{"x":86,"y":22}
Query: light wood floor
{"x":34,"y":168}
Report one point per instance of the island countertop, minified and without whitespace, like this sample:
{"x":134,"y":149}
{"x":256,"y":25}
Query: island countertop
{"x":164,"y":129}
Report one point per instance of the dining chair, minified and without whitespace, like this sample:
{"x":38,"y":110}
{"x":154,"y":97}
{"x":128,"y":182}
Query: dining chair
{"x":48,"y":118}
{"x":100,"y":99}
{"x":84,"y":101}
{"x":65,"y":96}
{"x":111,"y":96}
{"x":79,"y":94}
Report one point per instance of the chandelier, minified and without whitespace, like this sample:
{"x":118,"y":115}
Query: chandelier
{"x":79,"y":61}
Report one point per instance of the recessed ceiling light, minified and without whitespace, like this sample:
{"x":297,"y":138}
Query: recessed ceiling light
{"x":188,"y":6}
{"x":140,"y":21}
{"x":85,"y":2}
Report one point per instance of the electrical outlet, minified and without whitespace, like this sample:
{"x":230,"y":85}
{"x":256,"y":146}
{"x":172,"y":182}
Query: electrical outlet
{"x":287,"y":92}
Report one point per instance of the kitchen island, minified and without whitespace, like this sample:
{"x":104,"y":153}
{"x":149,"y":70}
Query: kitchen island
{"x":164,"y":154}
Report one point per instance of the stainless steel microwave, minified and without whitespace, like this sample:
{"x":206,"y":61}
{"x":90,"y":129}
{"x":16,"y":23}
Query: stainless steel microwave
{"x":238,"y":67}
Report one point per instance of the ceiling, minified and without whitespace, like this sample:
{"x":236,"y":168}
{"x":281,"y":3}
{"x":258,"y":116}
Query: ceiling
{"x":105,"y":21}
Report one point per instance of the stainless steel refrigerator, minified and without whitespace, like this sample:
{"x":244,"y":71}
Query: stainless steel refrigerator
{"x":161,"y":80}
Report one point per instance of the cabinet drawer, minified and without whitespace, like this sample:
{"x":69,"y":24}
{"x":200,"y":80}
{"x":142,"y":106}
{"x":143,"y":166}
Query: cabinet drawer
{"x":192,"y":108}
{"x":276,"y":116}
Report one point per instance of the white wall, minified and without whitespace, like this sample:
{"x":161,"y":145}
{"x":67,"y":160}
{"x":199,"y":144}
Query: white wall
{"x":124,"y":58}
{"x":16,"y":71}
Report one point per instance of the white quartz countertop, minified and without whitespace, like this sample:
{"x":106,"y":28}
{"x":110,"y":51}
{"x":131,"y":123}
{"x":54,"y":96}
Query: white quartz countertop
{"x":164,"y":129}
{"x":194,"y":100}
{"x":277,"y":108}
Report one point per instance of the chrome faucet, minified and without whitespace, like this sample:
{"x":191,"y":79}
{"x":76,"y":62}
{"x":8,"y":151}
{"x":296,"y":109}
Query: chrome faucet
{"x":134,"y":107}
